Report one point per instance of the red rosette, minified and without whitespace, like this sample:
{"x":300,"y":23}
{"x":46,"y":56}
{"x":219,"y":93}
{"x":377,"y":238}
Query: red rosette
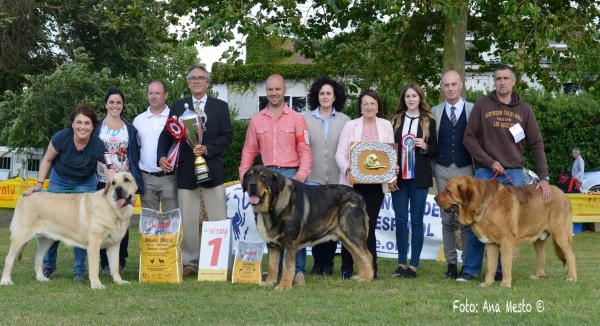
{"x":175,"y":128}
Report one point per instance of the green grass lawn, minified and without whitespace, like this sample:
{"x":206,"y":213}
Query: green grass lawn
{"x":428,"y":299}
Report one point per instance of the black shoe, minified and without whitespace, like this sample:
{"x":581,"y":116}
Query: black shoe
{"x":375,"y":276}
{"x":48,"y":272}
{"x":317,"y":270}
{"x":398,"y":272}
{"x":78,"y":277}
{"x":327,"y":271}
{"x":346,"y":275}
{"x":498,"y":276}
{"x":464,"y":277}
{"x":409,"y":273}
{"x":452,"y":272}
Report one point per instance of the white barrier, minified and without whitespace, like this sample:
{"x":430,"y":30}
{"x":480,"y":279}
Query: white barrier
{"x":244,"y":227}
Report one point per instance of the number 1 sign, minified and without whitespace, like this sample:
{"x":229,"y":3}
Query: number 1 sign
{"x":215,"y":251}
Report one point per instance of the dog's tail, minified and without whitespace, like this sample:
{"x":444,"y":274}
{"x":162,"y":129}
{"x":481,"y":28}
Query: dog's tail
{"x":559,"y":253}
{"x":20,"y":253}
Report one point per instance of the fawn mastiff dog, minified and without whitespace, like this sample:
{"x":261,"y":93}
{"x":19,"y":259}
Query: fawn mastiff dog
{"x":290,"y":216}
{"x":503,"y":217}
{"x":89,"y":220}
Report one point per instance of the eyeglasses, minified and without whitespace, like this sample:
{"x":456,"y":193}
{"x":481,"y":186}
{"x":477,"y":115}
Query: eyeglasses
{"x":197,"y":79}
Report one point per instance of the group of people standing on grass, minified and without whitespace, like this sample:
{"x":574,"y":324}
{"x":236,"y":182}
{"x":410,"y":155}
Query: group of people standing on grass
{"x":485,"y":139}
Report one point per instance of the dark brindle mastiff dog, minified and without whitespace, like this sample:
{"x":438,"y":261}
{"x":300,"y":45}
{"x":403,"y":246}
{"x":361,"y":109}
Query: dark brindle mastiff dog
{"x":504,"y":217}
{"x":290,"y":216}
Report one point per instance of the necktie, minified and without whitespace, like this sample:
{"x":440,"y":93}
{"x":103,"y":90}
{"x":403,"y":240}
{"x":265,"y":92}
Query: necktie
{"x":197,"y":107}
{"x":453,"y":115}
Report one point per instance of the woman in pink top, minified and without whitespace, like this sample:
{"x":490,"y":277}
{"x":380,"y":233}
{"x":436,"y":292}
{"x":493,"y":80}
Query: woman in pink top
{"x":369,"y":127}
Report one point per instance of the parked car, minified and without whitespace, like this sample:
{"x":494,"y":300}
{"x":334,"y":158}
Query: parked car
{"x":530,"y":177}
{"x":591,"y":180}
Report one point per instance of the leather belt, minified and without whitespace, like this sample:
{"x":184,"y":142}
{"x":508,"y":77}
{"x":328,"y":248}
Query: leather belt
{"x":159,"y":174}
{"x":282,"y":167}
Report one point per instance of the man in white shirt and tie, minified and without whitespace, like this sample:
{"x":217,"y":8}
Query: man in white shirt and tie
{"x":217,"y":136}
{"x":452,"y":160}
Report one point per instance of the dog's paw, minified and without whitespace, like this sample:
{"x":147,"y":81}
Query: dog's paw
{"x":484,"y":284}
{"x":6,"y":282}
{"x":121,"y":282}
{"x":569,"y":279}
{"x":42,"y":278}
{"x":358,"y":278}
{"x":282,"y":287}
{"x":267,"y":283}
{"x":505,"y":284}
{"x":98,"y":287}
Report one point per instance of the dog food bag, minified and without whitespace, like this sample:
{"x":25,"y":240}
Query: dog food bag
{"x":160,"y":259}
{"x":246,"y":268}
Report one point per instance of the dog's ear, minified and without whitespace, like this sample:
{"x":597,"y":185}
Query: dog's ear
{"x":278,"y":181}
{"x":245,"y":180}
{"x":106,"y":186}
{"x":466,"y":193}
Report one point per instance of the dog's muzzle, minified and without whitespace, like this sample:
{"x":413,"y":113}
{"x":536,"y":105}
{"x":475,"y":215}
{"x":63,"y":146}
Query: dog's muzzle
{"x":121,"y":199}
{"x":253,"y":193}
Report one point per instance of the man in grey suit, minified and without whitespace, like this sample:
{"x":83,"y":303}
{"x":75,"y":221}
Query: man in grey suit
{"x":452,"y":160}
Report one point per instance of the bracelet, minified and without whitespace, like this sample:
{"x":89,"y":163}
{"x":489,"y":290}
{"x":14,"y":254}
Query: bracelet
{"x":40,"y":182}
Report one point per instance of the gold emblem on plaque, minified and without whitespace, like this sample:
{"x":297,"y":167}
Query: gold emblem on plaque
{"x":372,"y":163}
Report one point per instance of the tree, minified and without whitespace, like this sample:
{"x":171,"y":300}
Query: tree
{"x":39,"y":35}
{"x":33,"y":115}
{"x":384,"y":43}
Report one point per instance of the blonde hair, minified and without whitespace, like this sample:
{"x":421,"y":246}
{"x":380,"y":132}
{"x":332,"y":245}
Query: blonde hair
{"x":424,"y":110}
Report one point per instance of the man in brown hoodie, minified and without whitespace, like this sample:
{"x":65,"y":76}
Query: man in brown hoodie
{"x":495,"y":136}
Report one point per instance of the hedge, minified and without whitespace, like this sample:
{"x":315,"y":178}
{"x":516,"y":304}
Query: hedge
{"x":565,"y":121}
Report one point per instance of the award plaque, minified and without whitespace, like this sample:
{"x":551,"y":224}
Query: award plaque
{"x":372,"y":163}
{"x":193,"y":134}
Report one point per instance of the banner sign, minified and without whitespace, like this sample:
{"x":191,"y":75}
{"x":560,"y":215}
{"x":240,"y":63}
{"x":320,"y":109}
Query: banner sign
{"x":243,"y":227}
{"x":586,"y":207}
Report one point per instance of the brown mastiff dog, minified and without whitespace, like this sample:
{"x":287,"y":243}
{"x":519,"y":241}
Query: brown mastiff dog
{"x":291,"y":215}
{"x":503,"y":217}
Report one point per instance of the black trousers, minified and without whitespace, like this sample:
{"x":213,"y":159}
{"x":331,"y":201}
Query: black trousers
{"x":123,"y":253}
{"x":374,"y":198}
{"x":323,"y":254}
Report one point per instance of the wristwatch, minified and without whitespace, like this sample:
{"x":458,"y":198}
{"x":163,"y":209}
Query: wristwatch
{"x":547,"y":178}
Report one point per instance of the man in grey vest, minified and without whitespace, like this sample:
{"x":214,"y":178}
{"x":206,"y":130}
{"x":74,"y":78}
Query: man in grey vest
{"x":452,"y":160}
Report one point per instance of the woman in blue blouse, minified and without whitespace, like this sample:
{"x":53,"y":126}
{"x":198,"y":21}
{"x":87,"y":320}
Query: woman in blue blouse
{"x":73,"y":155}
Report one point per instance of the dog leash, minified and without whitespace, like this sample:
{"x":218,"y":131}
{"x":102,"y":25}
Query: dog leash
{"x":506,"y":175}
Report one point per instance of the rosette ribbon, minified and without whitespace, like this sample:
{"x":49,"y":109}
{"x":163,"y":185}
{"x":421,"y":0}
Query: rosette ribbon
{"x":177,"y":130}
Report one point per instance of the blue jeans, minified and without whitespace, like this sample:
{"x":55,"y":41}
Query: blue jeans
{"x":58,"y":183}
{"x":417,"y":197}
{"x":301,"y":254}
{"x":474,"y":262}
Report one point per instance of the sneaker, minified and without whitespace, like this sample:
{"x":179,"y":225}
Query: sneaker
{"x":375,"y":276}
{"x":328,"y":271}
{"x":48,"y":272}
{"x":299,"y":279}
{"x":346,"y":275}
{"x":498,"y":276}
{"x":398,"y":272}
{"x":78,"y":277}
{"x":464,"y":277}
{"x":317,"y":270}
{"x":408,"y":273}
{"x":452,"y":272}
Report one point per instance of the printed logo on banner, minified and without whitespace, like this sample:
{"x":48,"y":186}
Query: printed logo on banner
{"x":238,"y":220}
